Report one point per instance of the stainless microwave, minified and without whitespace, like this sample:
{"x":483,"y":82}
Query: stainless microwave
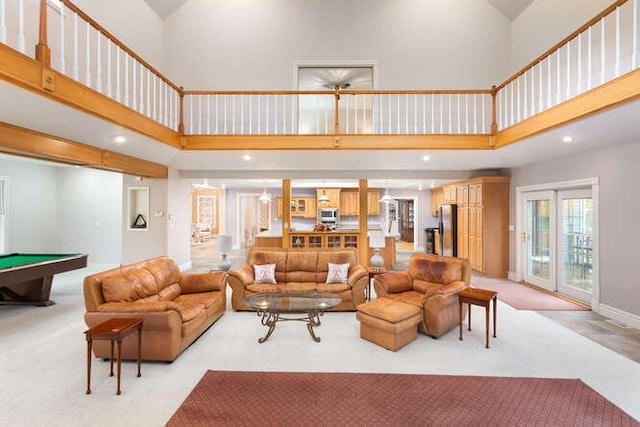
{"x":328,"y":215}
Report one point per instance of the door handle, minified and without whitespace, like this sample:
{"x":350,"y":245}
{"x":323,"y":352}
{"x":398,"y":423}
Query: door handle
{"x":524,"y":237}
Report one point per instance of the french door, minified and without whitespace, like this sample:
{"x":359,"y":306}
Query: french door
{"x":575,"y":242}
{"x":538,"y":239}
{"x":557,"y":238}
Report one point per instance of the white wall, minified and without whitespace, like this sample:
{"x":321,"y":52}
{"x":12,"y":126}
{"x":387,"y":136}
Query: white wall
{"x":617,"y":169}
{"x":89,"y":221}
{"x":32,"y":214}
{"x":419,"y":44}
{"x":544,"y":23}
{"x":138,"y":245}
{"x":178,"y":219}
{"x":132,"y":22}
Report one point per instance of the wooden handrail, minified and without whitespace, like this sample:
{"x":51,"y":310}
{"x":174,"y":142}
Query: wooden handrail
{"x":342,"y":92}
{"x":43,"y":53}
{"x":111,"y":37}
{"x":564,"y":41}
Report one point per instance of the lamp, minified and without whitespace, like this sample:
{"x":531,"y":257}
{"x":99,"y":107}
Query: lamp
{"x":324,"y":198}
{"x":224,"y":246}
{"x":386,"y":198}
{"x":264,"y":197}
{"x":376,"y":241}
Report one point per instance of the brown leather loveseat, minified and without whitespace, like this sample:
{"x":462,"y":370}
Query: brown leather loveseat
{"x":177,"y":308}
{"x":300,"y":269}
{"x":431,"y":282}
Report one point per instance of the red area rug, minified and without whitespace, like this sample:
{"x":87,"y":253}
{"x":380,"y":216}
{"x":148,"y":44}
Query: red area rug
{"x":524,"y":297}
{"x":225,"y":398}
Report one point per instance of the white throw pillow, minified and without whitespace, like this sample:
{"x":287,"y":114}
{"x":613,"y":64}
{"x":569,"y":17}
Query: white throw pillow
{"x":338,"y":273}
{"x":265,"y":273}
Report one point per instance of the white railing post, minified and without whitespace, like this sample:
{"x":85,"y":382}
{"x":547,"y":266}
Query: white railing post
{"x":602,"y":53}
{"x":21,"y":38}
{"x":98,"y":63}
{"x":87,"y":71}
{"x":617,"y":63}
{"x":3,"y":21}
{"x":62,"y":65}
{"x":634,"y":35}
{"x":76,"y":43}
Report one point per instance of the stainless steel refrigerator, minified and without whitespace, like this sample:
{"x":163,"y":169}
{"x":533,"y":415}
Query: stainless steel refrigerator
{"x":447,"y":221}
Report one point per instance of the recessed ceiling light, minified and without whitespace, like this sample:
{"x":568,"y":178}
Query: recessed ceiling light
{"x":246,"y":157}
{"x":119,"y":139}
{"x":426,"y":157}
{"x":567,"y":139}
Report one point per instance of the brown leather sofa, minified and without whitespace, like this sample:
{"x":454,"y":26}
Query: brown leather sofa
{"x":431,"y":282}
{"x":300,"y":269}
{"x":177,"y":308}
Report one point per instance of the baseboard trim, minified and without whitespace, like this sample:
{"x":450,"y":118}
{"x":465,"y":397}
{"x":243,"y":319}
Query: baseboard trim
{"x":513,"y":276}
{"x":619,"y":315}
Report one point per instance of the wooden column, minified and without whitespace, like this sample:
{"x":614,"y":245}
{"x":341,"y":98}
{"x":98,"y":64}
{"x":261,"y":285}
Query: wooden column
{"x":43,"y":53}
{"x":494,"y":118}
{"x":286,"y":212}
{"x":181,"y":123}
{"x":363,"y":240}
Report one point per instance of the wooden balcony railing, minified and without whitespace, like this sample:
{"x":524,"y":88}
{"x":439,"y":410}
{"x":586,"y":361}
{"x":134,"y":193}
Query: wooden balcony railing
{"x":73,"y":44}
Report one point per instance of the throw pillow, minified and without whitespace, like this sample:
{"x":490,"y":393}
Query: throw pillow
{"x":338,"y":273}
{"x":265,"y":274}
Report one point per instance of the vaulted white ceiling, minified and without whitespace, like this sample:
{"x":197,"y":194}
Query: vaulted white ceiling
{"x":509,"y":8}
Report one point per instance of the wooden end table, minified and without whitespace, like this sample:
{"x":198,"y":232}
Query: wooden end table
{"x":373,"y":272}
{"x":114,"y":329}
{"x":481,"y":297}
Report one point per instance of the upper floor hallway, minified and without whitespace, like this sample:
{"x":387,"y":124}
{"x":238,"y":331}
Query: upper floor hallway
{"x":52,"y":55}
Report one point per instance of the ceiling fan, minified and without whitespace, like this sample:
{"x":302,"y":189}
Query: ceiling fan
{"x":337,"y":86}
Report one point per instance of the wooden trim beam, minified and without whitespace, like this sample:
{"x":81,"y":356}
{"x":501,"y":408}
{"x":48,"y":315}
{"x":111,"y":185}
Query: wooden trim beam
{"x":25,"y":142}
{"x":286,"y":212}
{"x":337,"y":142}
{"x":624,"y":89}
{"x":363,"y":224}
{"x":31,"y":75}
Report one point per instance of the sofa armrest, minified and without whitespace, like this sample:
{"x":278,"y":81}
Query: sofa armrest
{"x":242,"y":276}
{"x":392,"y":283}
{"x":448,"y":289}
{"x":202,"y":282}
{"x":138,"y":307}
{"x":355,"y":274}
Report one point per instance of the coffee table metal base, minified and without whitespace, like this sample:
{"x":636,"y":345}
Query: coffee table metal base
{"x":270,"y":319}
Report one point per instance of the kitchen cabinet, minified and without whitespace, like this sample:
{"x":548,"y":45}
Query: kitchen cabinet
{"x":437,"y":199}
{"x":406,"y":220}
{"x":449,"y":194}
{"x":333,"y":239}
{"x":483,"y":224}
{"x":334,"y":197}
{"x":304,"y":207}
{"x":350,"y":202}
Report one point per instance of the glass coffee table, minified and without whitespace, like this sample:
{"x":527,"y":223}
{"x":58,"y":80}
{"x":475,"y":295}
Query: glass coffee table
{"x":271,"y":306}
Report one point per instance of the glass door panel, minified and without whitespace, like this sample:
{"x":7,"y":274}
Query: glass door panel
{"x":575,"y":234}
{"x":537,"y":238}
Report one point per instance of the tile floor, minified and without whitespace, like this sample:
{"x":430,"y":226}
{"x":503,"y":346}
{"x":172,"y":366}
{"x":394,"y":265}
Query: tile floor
{"x":606,"y":332}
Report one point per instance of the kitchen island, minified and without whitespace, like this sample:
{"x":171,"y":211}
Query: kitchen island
{"x":341,"y":238}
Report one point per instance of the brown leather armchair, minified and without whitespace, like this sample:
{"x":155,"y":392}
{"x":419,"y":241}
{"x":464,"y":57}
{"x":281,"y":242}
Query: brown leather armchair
{"x":431,"y":282}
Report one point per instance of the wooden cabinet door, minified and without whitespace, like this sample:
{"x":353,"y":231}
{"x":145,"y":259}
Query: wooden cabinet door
{"x":373,"y":202}
{"x":476,"y":238}
{"x":312,"y":211}
{"x":462,"y":195}
{"x":449,"y":194}
{"x":349,"y":203}
{"x":475,"y":195}
{"x":437,"y":198}
{"x":463,"y":232}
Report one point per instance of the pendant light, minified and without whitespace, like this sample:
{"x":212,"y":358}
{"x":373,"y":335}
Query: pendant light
{"x":324,"y":198}
{"x":264,"y":197}
{"x":386,"y":198}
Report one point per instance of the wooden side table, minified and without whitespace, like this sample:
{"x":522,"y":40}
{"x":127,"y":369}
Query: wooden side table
{"x":373,"y":272}
{"x":481,"y":297}
{"x":114,"y":329}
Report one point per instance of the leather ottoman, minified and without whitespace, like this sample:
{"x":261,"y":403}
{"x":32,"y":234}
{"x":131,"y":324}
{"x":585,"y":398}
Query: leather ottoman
{"x":388,"y":323}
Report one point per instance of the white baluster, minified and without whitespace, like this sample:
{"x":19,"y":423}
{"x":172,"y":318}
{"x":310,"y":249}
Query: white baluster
{"x":126,"y":81}
{"x":406,"y":113}
{"x":87,"y":71}
{"x":109,"y":81}
{"x":415,"y":113}
{"x":579,"y":79}
{"x":3,"y":21}
{"x":532,"y":111}
{"x":208,"y":115}
{"x":191,"y":114}
{"x":558,"y":79}
{"x":524,"y":96}
{"x":541,"y":84}
{"x":450,"y":114}
{"x":224,"y":124}
{"x":441,"y":96}
{"x":118,"y":88}
{"x":62,"y":65}
{"x":634,"y":41}
{"x":98,"y":63}
{"x":549,"y":82}
{"x":397,"y":114}
{"x":433,"y":114}
{"x":603,"y":52}
{"x":266,"y":112}
{"x":458,"y":118}
{"x":199,"y":114}
{"x":568,"y":89}
{"x":148,"y":92}
{"x":589,"y":59}
{"x":617,"y":66}
{"x":250,"y":114}
{"x":424,"y":114}
{"x":233,"y":114}
{"x":76,"y":43}
{"x":21,"y":39}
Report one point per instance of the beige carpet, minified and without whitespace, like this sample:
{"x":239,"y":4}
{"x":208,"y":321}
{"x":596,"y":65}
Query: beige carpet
{"x":524,"y":297}
{"x":225,"y":398}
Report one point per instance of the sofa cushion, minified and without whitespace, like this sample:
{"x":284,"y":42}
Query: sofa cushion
{"x":165,"y":271}
{"x":258,"y":287}
{"x":277,"y":257}
{"x":129,"y":286}
{"x":333,"y":287}
{"x":437,"y":271}
{"x":170,"y":293}
{"x":411,"y":297}
{"x":189,"y":306}
{"x":265,"y":274}
{"x":202,"y":282}
{"x":301,"y":266}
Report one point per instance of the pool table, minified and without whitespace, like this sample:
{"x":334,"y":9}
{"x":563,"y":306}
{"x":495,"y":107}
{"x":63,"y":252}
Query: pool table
{"x":26,"y":278}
